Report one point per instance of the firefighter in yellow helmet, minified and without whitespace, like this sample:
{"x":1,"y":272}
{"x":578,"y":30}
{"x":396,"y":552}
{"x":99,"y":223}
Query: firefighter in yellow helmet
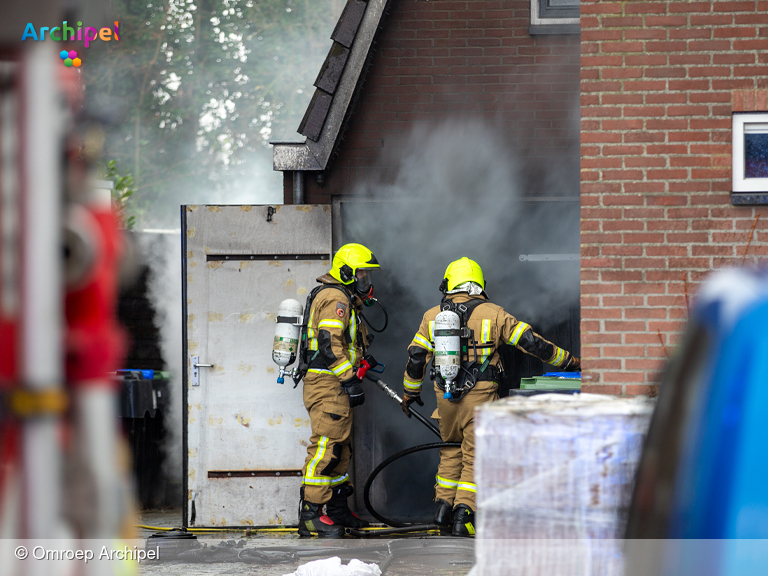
{"x":336,"y":342}
{"x":490,"y":327}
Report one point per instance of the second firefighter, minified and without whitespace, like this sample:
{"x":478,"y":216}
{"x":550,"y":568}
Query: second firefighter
{"x":478,"y":328}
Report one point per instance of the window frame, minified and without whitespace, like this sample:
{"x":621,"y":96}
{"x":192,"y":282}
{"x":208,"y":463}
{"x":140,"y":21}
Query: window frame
{"x":549,"y":20}
{"x":740,"y":184}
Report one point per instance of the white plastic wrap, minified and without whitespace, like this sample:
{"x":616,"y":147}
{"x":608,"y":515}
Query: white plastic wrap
{"x":554,"y":474}
{"x":334,"y":567}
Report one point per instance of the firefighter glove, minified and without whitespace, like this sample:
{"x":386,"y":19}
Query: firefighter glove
{"x":574,"y":365}
{"x":408,"y":400}
{"x":354,"y":389}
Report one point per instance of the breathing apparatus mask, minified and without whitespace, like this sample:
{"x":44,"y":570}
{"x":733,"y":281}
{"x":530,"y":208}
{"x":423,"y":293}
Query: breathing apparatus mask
{"x":364,"y":285}
{"x":362,"y":280}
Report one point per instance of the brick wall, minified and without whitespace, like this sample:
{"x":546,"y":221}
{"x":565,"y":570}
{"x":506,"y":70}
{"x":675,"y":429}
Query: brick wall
{"x":659,"y":80}
{"x":439,"y":59}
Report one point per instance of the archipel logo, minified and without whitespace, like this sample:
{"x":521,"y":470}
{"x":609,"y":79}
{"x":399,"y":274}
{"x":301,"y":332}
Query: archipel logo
{"x":66,"y":33}
{"x":70,"y":58}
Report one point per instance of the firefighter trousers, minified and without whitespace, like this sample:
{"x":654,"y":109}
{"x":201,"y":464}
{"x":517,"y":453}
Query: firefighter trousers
{"x":329,"y":447}
{"x":455,"y":480}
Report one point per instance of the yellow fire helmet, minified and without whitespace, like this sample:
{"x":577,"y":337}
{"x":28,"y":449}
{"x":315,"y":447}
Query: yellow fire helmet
{"x":463,"y":270}
{"x":349,"y":259}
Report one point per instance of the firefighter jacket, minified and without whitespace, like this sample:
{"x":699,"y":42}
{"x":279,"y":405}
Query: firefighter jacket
{"x":492,"y":327}
{"x":336,"y":337}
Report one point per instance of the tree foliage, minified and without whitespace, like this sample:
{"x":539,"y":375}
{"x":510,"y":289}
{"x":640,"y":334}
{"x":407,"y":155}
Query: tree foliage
{"x":121,"y":194}
{"x":195,"y":89}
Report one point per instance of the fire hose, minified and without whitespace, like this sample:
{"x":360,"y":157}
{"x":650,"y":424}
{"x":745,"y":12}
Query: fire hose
{"x":429,"y":446}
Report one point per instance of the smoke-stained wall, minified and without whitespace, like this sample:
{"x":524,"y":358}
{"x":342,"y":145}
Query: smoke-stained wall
{"x":441,"y":60}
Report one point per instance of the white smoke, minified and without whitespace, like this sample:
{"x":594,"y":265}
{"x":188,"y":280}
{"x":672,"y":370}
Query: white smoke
{"x":458,"y":188}
{"x":161,"y":252}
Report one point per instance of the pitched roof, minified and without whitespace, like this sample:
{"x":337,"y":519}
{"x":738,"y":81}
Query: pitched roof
{"x":339,"y":80}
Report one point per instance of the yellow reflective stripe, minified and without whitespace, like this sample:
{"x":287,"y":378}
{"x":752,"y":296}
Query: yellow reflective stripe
{"x":312,"y":344}
{"x":517,"y":333}
{"x":486,"y":337}
{"x":310,"y":330}
{"x":468,"y":486}
{"x":423,"y":342}
{"x":559,"y":356}
{"x":310,"y":478}
{"x":352,"y":337}
{"x":341,"y":368}
{"x":470,"y":528}
{"x":411,"y":384}
{"x":319,"y":371}
{"x":321,"y":445}
{"x":432,"y":330}
{"x":339,"y":479}
{"x":445,"y":483}
{"x":331,"y":324}
{"x":317,"y":481}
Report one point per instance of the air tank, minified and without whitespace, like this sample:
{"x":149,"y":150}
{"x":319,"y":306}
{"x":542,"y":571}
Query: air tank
{"x":286,"y":344}
{"x":447,"y":345}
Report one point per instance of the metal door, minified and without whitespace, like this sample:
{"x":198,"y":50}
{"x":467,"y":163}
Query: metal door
{"x":245,"y":435}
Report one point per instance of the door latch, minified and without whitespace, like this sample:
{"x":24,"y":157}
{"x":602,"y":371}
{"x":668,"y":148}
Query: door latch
{"x":196,"y":365}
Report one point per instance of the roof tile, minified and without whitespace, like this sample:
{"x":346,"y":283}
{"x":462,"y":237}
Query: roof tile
{"x":348,"y":23}
{"x":330,"y":73}
{"x":314,"y":118}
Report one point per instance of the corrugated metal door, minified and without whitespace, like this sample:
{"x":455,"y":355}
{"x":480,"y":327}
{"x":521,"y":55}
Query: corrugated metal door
{"x":245,"y":434}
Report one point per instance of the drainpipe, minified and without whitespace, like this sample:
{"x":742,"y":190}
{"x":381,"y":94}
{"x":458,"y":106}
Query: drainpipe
{"x":298,"y":187}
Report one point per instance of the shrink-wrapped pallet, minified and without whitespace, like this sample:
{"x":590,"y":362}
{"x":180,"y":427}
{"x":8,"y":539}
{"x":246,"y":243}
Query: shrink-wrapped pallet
{"x":554,"y":478}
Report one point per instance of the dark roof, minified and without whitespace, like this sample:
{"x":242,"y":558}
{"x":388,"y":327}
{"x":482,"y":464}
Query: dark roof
{"x":339,"y":80}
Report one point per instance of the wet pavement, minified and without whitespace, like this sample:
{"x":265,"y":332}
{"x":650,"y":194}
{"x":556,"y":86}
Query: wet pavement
{"x":276,"y":554}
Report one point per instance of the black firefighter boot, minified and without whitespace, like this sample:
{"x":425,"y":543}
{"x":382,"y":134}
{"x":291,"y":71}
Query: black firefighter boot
{"x":313,"y":522}
{"x":463,"y":521}
{"x":443,"y":516}
{"x":339,"y":511}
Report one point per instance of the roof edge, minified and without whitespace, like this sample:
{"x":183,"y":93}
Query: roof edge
{"x":311,"y":155}
{"x":287,"y":156}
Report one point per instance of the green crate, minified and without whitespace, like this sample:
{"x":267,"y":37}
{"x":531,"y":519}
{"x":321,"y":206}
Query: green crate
{"x":549,"y":383}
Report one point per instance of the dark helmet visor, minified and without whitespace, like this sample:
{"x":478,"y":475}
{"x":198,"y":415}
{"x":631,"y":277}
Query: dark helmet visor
{"x":364,"y":280}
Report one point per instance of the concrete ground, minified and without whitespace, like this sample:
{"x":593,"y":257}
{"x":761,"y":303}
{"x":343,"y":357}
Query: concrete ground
{"x":282,"y":553}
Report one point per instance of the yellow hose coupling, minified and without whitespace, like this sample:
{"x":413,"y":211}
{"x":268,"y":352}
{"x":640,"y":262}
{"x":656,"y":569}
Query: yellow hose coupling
{"x":26,"y":403}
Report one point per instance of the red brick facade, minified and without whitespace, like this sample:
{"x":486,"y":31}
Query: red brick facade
{"x":440,"y":59}
{"x":659,"y":81}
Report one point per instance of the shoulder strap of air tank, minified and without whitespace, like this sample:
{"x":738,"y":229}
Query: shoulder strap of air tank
{"x":464,"y":310}
{"x":304,"y":359}
{"x":312,"y":295}
{"x":472,"y":304}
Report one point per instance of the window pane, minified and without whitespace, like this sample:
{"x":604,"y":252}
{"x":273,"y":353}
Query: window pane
{"x":755,"y":155}
{"x":558,"y":8}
